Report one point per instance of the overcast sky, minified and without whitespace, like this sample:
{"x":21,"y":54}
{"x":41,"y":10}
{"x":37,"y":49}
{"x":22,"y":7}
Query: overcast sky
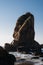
{"x":10,"y":10}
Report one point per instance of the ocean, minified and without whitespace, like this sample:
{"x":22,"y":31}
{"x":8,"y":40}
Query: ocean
{"x":28,"y":57}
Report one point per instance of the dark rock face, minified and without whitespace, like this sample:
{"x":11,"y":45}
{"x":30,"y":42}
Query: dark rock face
{"x":24,"y":36}
{"x":6,"y":58}
{"x":27,"y":32}
{"x":41,"y":47}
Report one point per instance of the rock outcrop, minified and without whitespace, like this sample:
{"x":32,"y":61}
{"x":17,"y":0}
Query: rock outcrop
{"x":23,"y":35}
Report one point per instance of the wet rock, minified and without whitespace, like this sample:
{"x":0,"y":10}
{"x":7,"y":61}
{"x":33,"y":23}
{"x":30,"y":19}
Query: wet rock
{"x":35,"y":57}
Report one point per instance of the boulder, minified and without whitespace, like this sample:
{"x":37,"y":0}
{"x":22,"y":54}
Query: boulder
{"x":6,"y":58}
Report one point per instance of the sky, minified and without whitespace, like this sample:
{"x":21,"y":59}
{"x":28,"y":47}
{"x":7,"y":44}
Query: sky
{"x":11,"y":10}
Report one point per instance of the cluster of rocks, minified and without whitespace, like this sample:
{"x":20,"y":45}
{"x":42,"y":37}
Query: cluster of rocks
{"x":24,"y":36}
{"x":23,"y":42}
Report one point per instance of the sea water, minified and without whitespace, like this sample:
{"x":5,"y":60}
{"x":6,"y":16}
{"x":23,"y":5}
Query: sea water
{"x":28,"y":57}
